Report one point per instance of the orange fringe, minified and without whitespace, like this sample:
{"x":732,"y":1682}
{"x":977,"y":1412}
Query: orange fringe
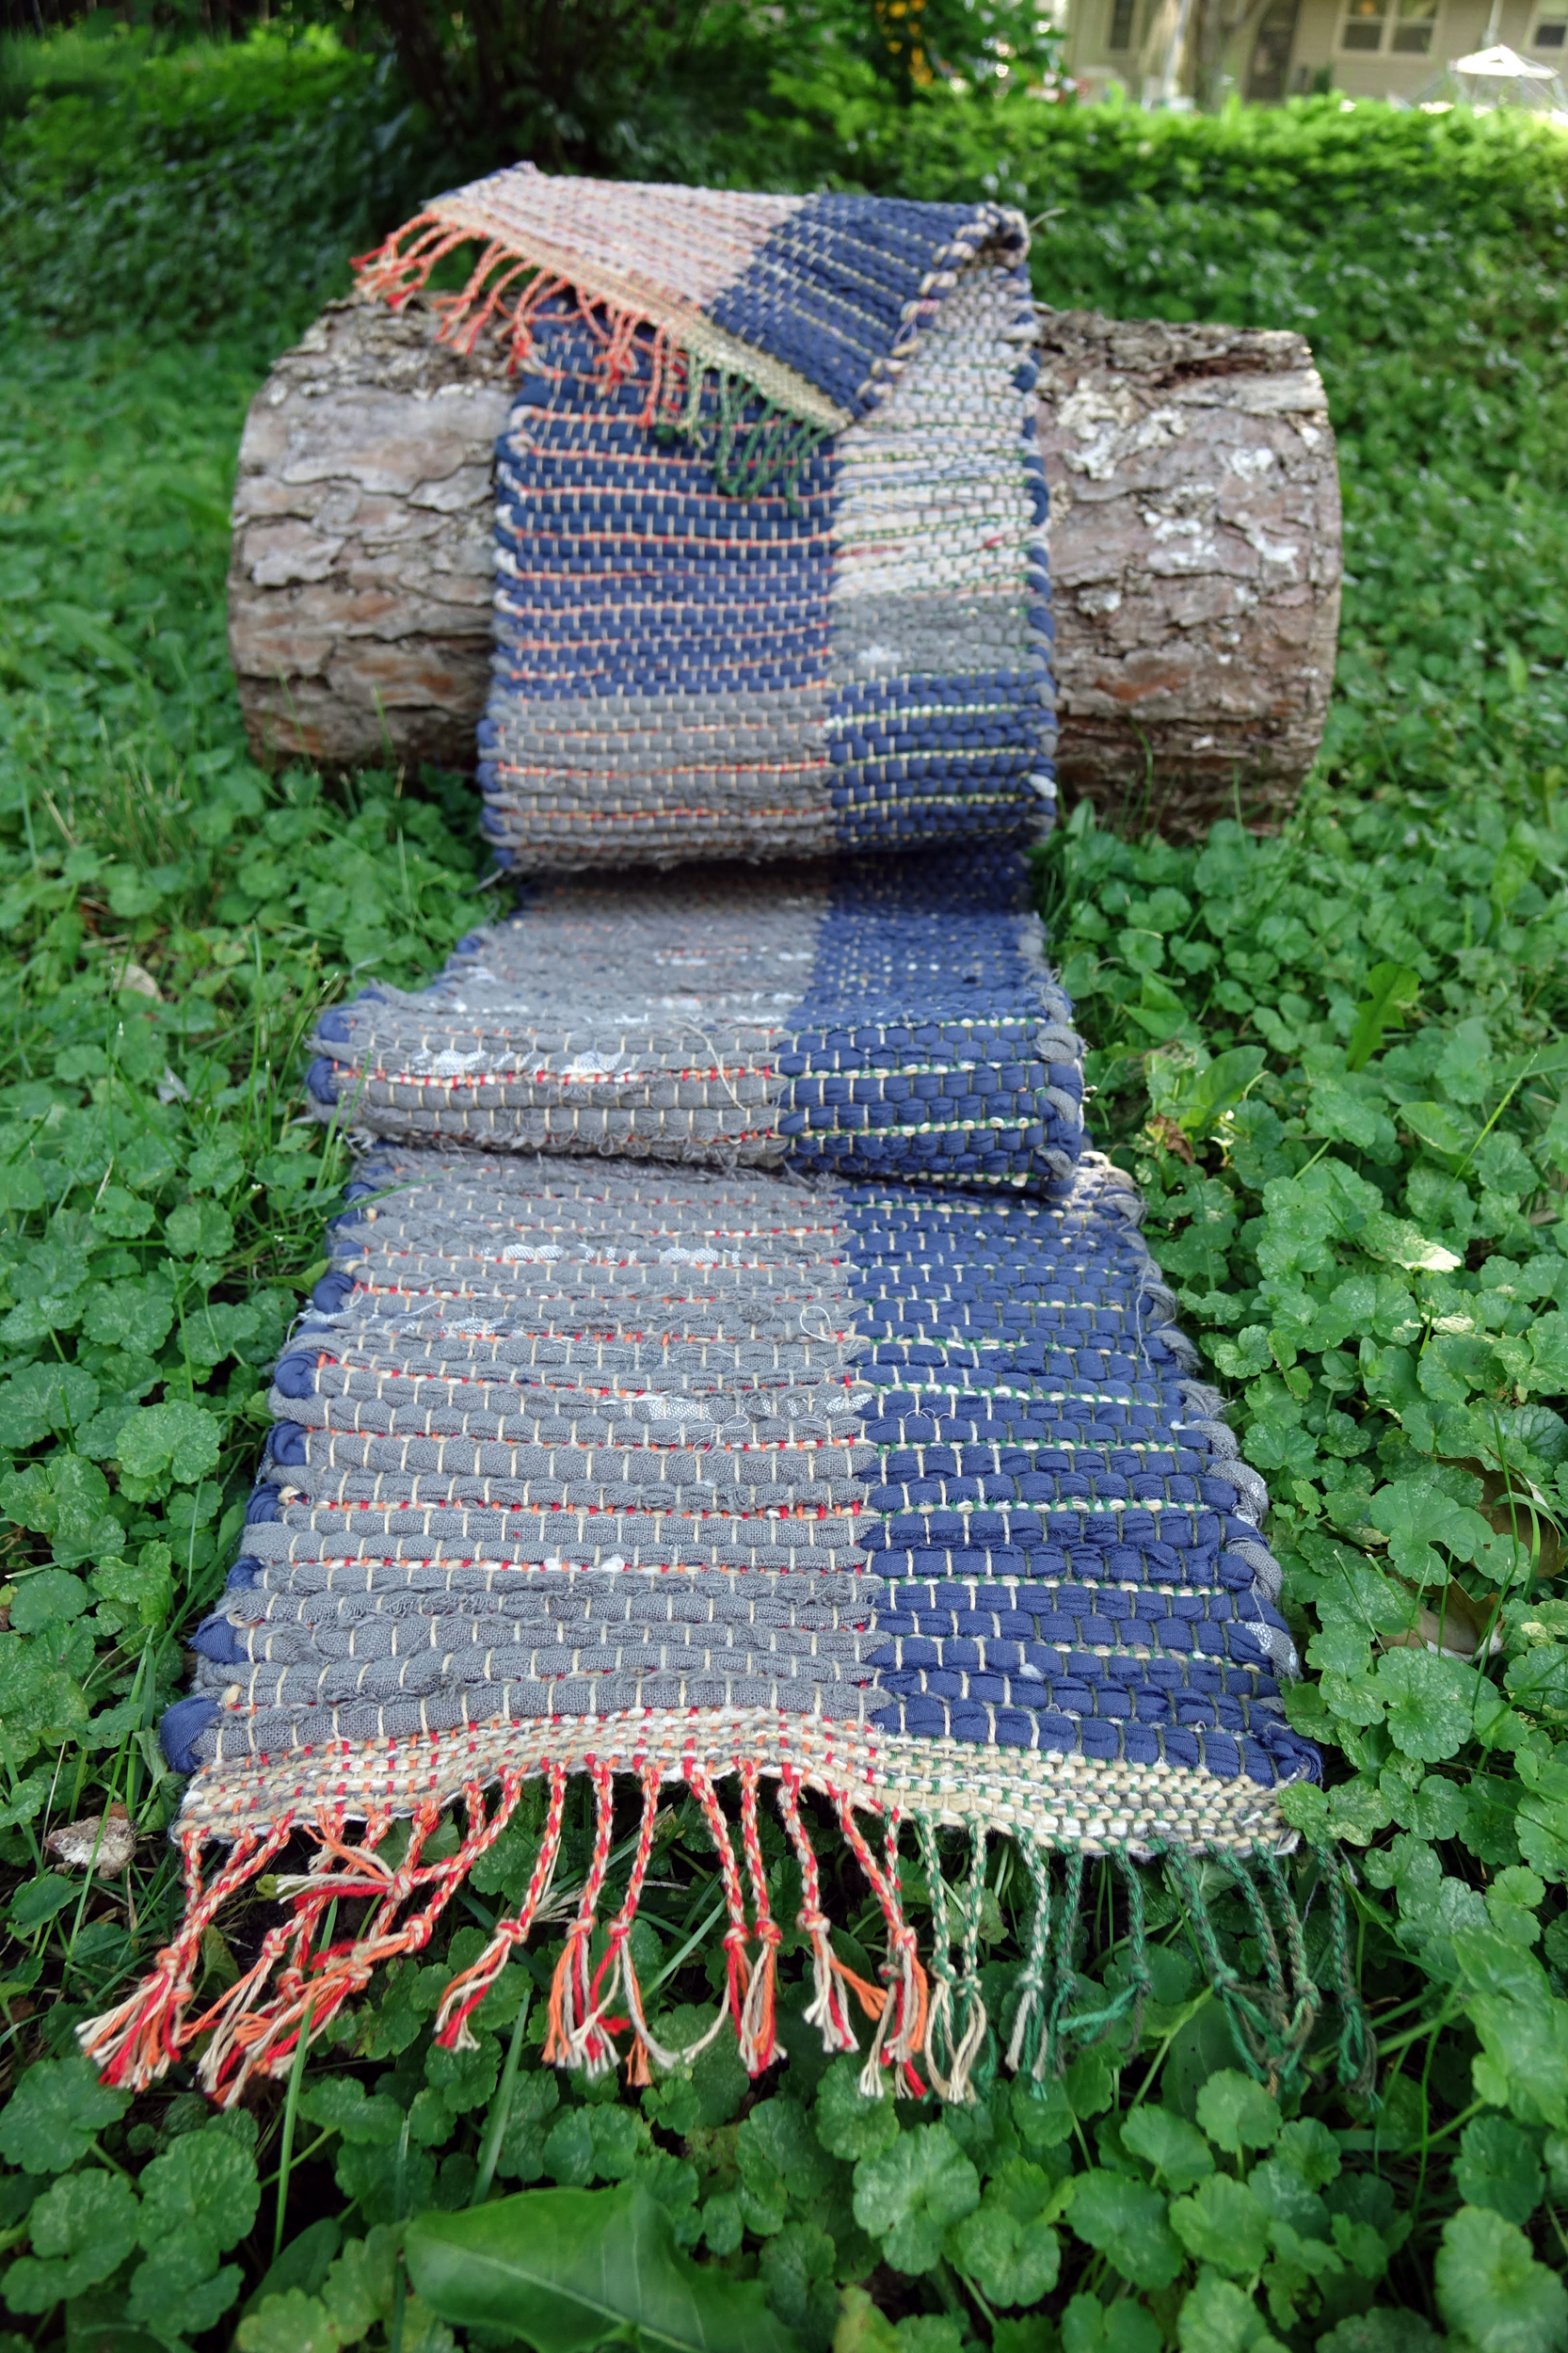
{"x":402,"y":265}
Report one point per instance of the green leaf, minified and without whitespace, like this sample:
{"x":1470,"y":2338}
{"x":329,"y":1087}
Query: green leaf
{"x":1010,"y":2262}
{"x":1391,"y":991}
{"x":199,"y":1229}
{"x":1223,"y":2224}
{"x":51,"y":2117}
{"x":175,"y":1440}
{"x":199,"y":2198}
{"x":1168,"y":2144}
{"x":1238,"y":2114}
{"x":1490,"y":2289}
{"x":83,"y":2229}
{"x":1498,"y":2167}
{"x":797,"y":2269}
{"x":908,"y":2195}
{"x":1216,"y":2317}
{"x":564,"y":2268}
{"x":66,"y":1499}
{"x":291,"y":2323}
{"x":847,"y":2124}
{"x":1430,"y":1703}
{"x":1126,"y":2221}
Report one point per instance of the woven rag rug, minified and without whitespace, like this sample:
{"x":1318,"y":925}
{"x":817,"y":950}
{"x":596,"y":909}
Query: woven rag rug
{"x":759,"y":1471}
{"x":771,"y":559}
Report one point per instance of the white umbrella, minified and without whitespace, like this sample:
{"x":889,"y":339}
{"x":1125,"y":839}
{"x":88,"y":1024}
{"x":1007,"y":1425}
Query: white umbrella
{"x":1497,"y":76}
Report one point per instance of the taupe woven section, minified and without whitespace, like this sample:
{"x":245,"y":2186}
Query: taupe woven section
{"x":1066,"y":1800}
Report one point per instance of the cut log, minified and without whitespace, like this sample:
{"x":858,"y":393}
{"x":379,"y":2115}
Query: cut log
{"x":1195,"y":564}
{"x":1194,"y":545}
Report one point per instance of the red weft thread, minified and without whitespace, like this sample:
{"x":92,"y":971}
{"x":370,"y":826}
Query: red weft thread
{"x":827,"y":2012}
{"x":736,"y":1935}
{"x":464,"y":1994}
{"x":758,"y":2035}
{"x":569,"y":1991}
{"x":617,"y":1964}
{"x":663,"y":359}
{"x":901,"y":2029}
{"x":264,"y":2041}
{"x":136,"y":2042}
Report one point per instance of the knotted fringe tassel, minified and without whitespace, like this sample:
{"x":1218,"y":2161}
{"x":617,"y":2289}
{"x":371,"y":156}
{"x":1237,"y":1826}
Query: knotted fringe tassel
{"x":573,"y":2039}
{"x":465,"y":1994}
{"x":247,"y":2041}
{"x":136,"y":2042}
{"x":902,"y":2020}
{"x":826,"y":2011}
{"x":758,"y":2040}
{"x":748,"y":459}
{"x":951,"y":2050}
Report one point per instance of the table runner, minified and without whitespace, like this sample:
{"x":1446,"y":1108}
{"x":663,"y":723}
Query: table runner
{"x":772,"y":571}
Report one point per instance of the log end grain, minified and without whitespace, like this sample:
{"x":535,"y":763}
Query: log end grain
{"x":360,"y":573}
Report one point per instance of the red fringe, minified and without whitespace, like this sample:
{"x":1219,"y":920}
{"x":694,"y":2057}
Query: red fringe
{"x":402,"y":265}
{"x":294,"y":1990}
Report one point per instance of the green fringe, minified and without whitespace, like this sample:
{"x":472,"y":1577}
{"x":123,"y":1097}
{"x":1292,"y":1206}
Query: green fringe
{"x":1057,"y":2013}
{"x":747,"y":460}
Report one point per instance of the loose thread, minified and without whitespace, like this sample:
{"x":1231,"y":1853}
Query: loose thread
{"x":826,"y":2011}
{"x":467,"y":1991}
{"x":136,"y":2042}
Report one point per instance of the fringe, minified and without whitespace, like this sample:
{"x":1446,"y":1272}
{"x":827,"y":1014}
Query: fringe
{"x":929,"y":2013}
{"x":748,"y":459}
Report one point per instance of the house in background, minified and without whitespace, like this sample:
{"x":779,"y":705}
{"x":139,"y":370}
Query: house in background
{"x":1285,"y":48}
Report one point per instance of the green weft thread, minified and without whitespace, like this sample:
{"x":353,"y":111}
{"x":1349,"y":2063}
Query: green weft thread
{"x":1027,"y":2047}
{"x":1253,"y":2033}
{"x":941,"y":1935}
{"x":1358,"y":2049}
{"x":1308,"y":1998}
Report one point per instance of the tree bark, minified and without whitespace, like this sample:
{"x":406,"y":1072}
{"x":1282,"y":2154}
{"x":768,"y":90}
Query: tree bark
{"x":1194,"y":545}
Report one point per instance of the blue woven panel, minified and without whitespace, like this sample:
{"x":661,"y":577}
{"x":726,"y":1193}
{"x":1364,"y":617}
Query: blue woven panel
{"x":891,"y":1016}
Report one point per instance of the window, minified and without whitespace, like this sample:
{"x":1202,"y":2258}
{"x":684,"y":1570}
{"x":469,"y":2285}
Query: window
{"x":1551,"y":33}
{"x":1402,"y":28}
{"x":1122,"y":13}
